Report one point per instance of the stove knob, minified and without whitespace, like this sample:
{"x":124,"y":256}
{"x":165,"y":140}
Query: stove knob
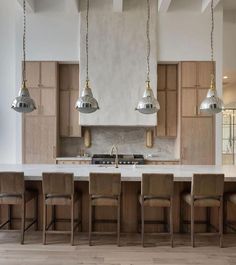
{"x":129,"y":162}
{"x":104,"y":162}
{"x":124,"y":162}
{"x":120,"y":162}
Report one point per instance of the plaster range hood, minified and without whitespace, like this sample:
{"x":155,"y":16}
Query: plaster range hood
{"x":117,"y":59}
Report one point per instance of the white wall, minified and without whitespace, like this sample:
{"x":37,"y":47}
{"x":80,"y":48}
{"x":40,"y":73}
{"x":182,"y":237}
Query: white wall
{"x":8,"y":129}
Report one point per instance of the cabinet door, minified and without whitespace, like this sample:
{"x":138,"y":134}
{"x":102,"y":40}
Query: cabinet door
{"x":69,"y":76}
{"x":171,"y":80}
{"x":161,"y":114}
{"x":48,"y":74}
{"x":35,"y":95}
{"x":201,"y":95}
{"x":189,"y":102}
{"x":171,"y":119}
{"x":64,"y":113}
{"x":161,"y":77}
{"x":48,"y":101}
{"x":197,"y":141}
{"x":205,"y":69}
{"x":189,"y":74}
{"x":75,"y":128}
{"x":32,"y":74}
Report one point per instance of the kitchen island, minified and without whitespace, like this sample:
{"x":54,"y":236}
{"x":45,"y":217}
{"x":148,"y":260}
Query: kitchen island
{"x":131,"y":177}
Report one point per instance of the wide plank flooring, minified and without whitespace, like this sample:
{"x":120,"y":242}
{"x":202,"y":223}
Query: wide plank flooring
{"x":104,"y":252}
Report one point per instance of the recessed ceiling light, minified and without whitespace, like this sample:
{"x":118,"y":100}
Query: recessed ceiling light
{"x":225,"y":77}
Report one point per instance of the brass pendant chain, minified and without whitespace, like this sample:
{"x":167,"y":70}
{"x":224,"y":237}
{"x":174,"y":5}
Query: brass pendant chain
{"x":148,"y":41}
{"x":87,"y":47}
{"x":24,"y":53}
{"x":212,"y":46}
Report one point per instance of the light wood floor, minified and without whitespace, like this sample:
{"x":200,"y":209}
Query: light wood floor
{"x":59,"y":252}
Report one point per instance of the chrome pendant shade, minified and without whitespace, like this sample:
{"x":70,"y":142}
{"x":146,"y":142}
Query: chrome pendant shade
{"x":212,"y":104}
{"x":23,"y":103}
{"x":148,"y":103}
{"x":86,"y":103}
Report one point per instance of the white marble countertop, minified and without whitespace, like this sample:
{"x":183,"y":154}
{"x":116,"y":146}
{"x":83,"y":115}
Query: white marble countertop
{"x":128,"y":173}
{"x":74,"y":158}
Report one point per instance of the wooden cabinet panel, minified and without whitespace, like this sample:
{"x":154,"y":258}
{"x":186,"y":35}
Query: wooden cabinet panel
{"x":171,"y":121}
{"x":161,"y":77}
{"x":75,"y":128}
{"x":48,"y":74}
{"x":74,"y":162}
{"x":33,"y":74}
{"x":189,"y":74}
{"x":39,"y":140}
{"x":189,"y":102}
{"x":171,"y":80}
{"x":69,"y":77}
{"x":48,"y":101}
{"x":197,"y":141}
{"x":64,"y":113}
{"x":151,"y":162}
{"x":204,"y":74}
{"x":35,"y":94}
{"x":161,"y":114}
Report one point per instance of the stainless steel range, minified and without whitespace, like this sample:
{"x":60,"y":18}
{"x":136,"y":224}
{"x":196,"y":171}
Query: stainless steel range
{"x":122,"y":159}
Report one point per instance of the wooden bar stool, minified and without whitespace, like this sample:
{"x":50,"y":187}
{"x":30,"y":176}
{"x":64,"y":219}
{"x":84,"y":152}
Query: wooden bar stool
{"x":229,"y":197}
{"x":13,"y":192}
{"x":206,"y":191}
{"x":58,"y":190}
{"x":157,"y":191}
{"x":104,"y":190}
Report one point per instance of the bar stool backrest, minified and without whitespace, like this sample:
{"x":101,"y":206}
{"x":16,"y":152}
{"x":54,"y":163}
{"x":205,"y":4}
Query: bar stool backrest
{"x":208,"y":185}
{"x":105,"y":184}
{"x":58,"y":184}
{"x":12,"y":183}
{"x":157,"y":185}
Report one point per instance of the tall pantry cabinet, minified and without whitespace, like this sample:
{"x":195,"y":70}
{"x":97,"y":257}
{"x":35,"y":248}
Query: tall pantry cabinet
{"x":40,"y":126}
{"x":197,"y":129}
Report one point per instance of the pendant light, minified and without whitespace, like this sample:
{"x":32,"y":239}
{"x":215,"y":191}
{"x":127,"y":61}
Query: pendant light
{"x":87,"y":103}
{"x":23,"y":103}
{"x":148,"y":104}
{"x":212,"y":104}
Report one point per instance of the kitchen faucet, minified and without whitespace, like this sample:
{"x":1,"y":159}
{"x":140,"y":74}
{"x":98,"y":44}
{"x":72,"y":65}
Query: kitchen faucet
{"x":114,"y":148}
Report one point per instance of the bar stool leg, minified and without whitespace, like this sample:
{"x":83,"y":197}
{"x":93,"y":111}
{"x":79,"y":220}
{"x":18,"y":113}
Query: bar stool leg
{"x":192,"y":225}
{"x":142,"y":217}
{"x":9,"y":216}
{"x":225,"y":204}
{"x":44,"y":221}
{"x":90,"y":221}
{"x":181,"y":215}
{"x":118,"y":222}
{"x":36,"y":213}
{"x":208,"y":214}
{"x":221,"y":222}
{"x":80,"y":214}
{"x":171,"y":223}
{"x":72,"y":220}
{"x":23,"y":220}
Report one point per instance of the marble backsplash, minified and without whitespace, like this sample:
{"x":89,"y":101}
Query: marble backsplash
{"x":130,"y":140}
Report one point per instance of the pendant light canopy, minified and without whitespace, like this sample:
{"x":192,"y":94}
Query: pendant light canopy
{"x":148,"y":103}
{"x":212,"y":104}
{"x":87,"y":103}
{"x":23,"y":103}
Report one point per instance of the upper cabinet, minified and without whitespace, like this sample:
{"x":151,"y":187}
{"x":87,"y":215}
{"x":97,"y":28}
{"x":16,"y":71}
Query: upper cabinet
{"x":40,"y":126}
{"x":195,"y":81}
{"x":69,"y":93}
{"x":167,"y":95}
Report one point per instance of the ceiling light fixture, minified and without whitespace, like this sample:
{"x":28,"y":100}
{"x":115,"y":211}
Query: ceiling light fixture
{"x":87,"y":103}
{"x":148,"y":104}
{"x":23,"y":103}
{"x":225,"y":77}
{"x":212,"y":104}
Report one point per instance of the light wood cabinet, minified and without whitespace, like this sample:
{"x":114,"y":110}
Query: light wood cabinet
{"x":74,"y":162}
{"x":197,"y":141}
{"x":167,"y":97}
{"x":69,"y":93}
{"x":196,"y":78}
{"x":156,"y":163}
{"x":39,"y":129}
{"x":197,"y":129}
